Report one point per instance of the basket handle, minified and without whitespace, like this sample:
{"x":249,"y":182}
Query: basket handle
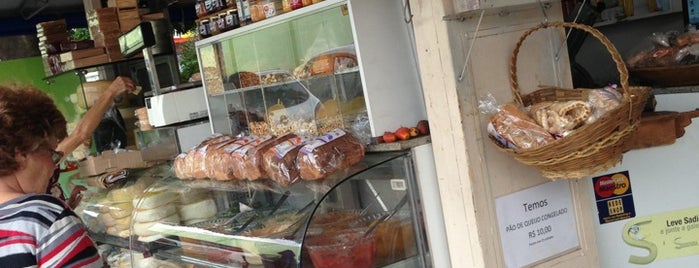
{"x":616,"y":57}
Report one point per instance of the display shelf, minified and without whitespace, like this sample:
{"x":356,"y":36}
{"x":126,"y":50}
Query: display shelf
{"x":178,"y":255}
{"x":125,"y":242}
{"x":635,"y":17}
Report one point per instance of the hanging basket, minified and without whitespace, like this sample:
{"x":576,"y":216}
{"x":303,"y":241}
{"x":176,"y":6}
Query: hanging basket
{"x":593,"y":147}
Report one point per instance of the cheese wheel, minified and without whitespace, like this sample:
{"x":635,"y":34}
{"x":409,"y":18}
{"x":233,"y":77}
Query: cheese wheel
{"x":143,"y":228}
{"x":120,"y":210}
{"x":151,"y":200}
{"x":126,"y":194}
{"x":203,"y":209}
{"x":123,"y":223}
{"x":107,"y":219}
{"x":191,"y":195}
{"x":193,"y":221}
{"x":154,"y":214}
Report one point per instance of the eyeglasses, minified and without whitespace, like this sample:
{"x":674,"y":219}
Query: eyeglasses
{"x":56,"y":157}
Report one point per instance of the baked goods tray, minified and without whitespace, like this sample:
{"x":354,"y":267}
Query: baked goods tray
{"x":398,"y":145}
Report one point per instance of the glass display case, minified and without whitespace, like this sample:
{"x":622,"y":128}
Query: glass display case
{"x":331,"y":64}
{"x":367,"y":215}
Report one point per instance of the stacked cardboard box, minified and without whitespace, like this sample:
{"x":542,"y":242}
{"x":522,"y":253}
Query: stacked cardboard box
{"x":50,"y":35}
{"x":127,"y":13}
{"x":103,"y":24}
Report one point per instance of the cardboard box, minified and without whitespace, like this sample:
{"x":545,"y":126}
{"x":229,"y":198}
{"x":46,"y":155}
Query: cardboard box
{"x":128,"y":14}
{"x":82,"y":53}
{"x":78,"y":63}
{"x":95,"y":165}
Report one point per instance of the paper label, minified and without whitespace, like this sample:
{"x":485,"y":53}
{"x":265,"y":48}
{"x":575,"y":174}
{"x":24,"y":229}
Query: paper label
{"x":280,"y":150}
{"x":240,"y":142}
{"x":323,"y":139}
{"x":240,"y":152}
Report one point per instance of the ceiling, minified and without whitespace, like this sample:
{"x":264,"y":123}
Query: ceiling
{"x":19,"y":17}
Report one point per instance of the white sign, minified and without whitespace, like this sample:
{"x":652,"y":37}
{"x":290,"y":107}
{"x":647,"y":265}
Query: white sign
{"x":536,"y":223}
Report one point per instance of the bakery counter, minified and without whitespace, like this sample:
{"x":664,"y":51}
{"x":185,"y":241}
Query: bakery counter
{"x":242,"y":223}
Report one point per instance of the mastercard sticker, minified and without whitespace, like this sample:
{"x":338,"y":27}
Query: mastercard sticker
{"x":614,"y":197}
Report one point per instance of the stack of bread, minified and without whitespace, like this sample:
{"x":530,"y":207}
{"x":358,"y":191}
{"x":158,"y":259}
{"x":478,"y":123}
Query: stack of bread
{"x":527,"y":128}
{"x":284,"y":159}
{"x":116,"y":208}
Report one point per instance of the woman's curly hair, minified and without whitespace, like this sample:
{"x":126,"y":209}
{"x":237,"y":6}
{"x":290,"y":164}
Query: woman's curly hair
{"x":28,"y":118}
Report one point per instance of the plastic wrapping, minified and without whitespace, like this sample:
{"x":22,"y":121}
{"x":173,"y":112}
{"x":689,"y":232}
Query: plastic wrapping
{"x":602,"y":101}
{"x":243,"y":158}
{"x":328,"y":153}
{"x":328,"y":62}
{"x":279,"y":162}
{"x":513,"y":128}
{"x":666,"y":49}
{"x":560,"y":118}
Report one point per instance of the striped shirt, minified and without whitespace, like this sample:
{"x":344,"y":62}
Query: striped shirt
{"x":40,"y":231}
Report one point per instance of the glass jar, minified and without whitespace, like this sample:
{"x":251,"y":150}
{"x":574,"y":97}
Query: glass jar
{"x":204,"y":28}
{"x":200,"y":9}
{"x":271,"y":8}
{"x":256,"y":10}
{"x":296,"y":4}
{"x":213,"y":26}
{"x":232,"y":21}
{"x":221,"y":23}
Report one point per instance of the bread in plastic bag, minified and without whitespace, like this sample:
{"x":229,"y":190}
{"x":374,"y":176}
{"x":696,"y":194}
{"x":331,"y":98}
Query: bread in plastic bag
{"x":279,"y":162}
{"x":328,"y":153}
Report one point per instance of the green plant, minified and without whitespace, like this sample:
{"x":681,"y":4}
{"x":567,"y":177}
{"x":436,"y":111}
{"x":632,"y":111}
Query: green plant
{"x":79,"y":34}
{"x":188,"y":60}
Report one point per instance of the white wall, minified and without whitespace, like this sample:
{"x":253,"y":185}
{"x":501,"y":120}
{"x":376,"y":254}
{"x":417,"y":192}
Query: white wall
{"x":663,"y":179}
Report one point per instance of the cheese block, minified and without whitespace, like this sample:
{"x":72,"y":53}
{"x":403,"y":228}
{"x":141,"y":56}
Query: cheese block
{"x":142,"y":228}
{"x":191,"y":195}
{"x":151,"y":200}
{"x":203,"y":209}
{"x":154,"y":214}
{"x":120,"y":210}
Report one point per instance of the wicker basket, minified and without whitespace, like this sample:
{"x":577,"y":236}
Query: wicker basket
{"x":593,"y":147}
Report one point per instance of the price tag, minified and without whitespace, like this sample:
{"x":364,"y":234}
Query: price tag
{"x":536,"y":223}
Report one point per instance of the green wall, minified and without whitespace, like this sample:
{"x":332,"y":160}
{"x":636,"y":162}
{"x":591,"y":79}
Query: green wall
{"x":31,"y":71}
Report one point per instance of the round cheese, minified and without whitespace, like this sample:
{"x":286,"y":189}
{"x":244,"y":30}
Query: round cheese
{"x":126,"y":194}
{"x":120,"y":210}
{"x":143,"y":228}
{"x":123,"y":223}
{"x":107,"y":219}
{"x":203,"y":209}
{"x":151,"y":200}
{"x":154,"y":214}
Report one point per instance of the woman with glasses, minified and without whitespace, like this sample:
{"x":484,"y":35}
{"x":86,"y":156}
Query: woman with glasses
{"x":38,"y":229}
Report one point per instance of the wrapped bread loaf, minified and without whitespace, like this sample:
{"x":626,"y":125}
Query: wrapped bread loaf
{"x":239,"y":156}
{"x":518,"y":130}
{"x":219,"y":164}
{"x":328,"y":153}
{"x":199,"y":157}
{"x":279,"y":162}
{"x":252,"y":164}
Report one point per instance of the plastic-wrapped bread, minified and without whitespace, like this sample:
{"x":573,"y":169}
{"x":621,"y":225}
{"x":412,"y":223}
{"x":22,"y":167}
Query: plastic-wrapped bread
{"x":178,"y":166}
{"x":213,"y":157}
{"x":199,"y":156}
{"x":251,"y":166}
{"x":328,"y":153}
{"x":279,"y":162}
{"x":223,"y":163}
{"x":188,"y":163}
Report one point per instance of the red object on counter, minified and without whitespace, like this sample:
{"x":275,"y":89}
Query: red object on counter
{"x":346,"y":249}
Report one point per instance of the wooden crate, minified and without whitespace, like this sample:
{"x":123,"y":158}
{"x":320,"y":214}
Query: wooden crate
{"x":659,"y":128}
{"x":88,"y":61}
{"x":122,"y":3}
{"x":82,"y":53}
